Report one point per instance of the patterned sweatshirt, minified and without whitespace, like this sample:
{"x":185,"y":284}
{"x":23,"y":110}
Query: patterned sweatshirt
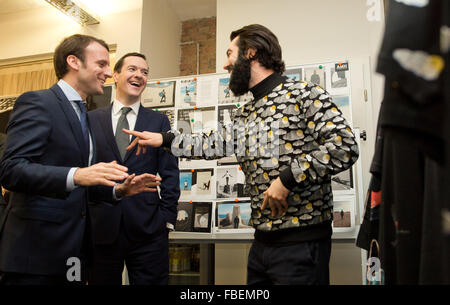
{"x":292,"y":130}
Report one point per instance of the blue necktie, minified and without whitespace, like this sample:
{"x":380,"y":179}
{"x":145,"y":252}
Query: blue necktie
{"x":83,"y":122}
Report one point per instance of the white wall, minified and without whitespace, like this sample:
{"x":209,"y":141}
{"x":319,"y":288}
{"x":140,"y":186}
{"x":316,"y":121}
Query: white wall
{"x":318,"y":31}
{"x":308,"y":31}
{"x":161,"y":36}
{"x":39,"y":31}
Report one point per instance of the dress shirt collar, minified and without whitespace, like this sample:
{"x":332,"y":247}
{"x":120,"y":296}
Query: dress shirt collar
{"x":117,"y":107}
{"x":69,"y":92}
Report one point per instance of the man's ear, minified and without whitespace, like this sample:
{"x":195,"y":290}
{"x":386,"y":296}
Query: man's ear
{"x":251,"y":52}
{"x":115,"y":77}
{"x":73,"y":62}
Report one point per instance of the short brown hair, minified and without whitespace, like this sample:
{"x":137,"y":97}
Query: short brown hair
{"x":119,"y":63}
{"x":72,"y":45}
{"x":260,"y":38}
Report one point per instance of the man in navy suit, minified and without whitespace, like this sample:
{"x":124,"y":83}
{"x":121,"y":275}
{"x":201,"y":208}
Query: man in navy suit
{"x":135,"y":231}
{"x":44,"y":231}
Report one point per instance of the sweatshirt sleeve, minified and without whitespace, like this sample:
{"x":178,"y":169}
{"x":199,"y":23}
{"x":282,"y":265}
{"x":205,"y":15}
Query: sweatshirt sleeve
{"x":330,"y":145}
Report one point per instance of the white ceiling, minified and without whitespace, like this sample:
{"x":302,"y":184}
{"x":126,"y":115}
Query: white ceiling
{"x":14,"y":6}
{"x":184,"y":9}
{"x":193,"y":9}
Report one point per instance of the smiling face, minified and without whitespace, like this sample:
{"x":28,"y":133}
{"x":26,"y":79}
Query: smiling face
{"x":131,"y":80}
{"x":93,"y":72}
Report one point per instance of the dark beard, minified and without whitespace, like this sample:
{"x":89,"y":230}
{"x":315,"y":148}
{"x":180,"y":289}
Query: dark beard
{"x":240,"y":76}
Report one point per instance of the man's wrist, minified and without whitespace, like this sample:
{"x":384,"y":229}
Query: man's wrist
{"x":167,"y":138}
{"x":118,"y":192}
{"x":70,"y":182}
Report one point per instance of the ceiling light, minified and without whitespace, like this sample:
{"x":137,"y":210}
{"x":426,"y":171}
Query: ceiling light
{"x":75,"y":11}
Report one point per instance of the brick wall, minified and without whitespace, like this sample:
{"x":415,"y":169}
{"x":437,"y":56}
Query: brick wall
{"x":202,"y":31}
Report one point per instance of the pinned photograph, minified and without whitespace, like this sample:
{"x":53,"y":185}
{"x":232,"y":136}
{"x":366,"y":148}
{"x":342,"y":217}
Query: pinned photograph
{"x":202,"y":216}
{"x":233,"y":215}
{"x":159,"y":94}
{"x":315,"y":76}
{"x":230,"y":182}
{"x":342,"y":214}
{"x":184,"y":217}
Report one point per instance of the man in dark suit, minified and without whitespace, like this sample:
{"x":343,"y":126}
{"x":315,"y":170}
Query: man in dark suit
{"x":136,"y":230}
{"x":45,"y":166}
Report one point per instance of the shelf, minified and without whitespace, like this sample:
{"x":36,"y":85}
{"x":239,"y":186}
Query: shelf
{"x":192,"y":273}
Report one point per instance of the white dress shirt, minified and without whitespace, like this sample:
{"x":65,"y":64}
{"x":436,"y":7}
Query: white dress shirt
{"x":116,"y":112}
{"x":72,"y":95}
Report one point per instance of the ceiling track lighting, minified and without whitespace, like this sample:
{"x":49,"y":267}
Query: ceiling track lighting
{"x":75,"y":11}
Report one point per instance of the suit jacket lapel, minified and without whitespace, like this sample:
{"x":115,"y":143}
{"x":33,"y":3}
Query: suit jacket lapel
{"x":73,"y":120}
{"x":106,"y":122}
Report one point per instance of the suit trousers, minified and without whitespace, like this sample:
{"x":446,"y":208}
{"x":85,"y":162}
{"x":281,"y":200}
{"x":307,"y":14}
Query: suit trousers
{"x":303,"y":263}
{"x":147,"y":261}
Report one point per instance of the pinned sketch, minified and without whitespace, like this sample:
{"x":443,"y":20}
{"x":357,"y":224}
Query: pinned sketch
{"x":186,"y":183}
{"x":315,"y":75}
{"x":294,"y":74}
{"x":187,"y":93}
{"x":225,"y":94}
{"x":338,"y":82}
{"x":159,"y":94}
{"x":207,"y":91}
